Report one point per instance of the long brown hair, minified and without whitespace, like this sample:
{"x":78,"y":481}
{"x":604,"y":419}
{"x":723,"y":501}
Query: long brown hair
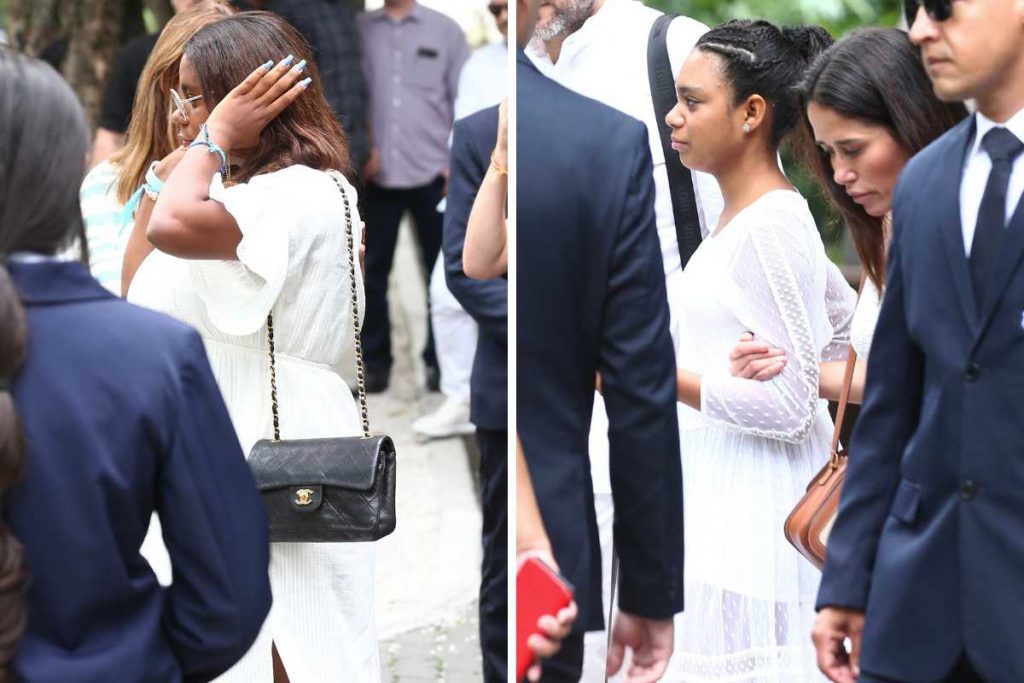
{"x":39,"y":212}
{"x":874,"y":75}
{"x":150,"y":133}
{"x":307,"y":131}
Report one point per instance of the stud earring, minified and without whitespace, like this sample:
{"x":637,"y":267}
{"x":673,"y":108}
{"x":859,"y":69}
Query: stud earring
{"x":746,"y":127}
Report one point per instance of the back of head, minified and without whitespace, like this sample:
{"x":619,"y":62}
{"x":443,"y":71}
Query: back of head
{"x":762,"y":59}
{"x":306,"y":132}
{"x":39,"y":212}
{"x":874,"y":76}
{"x":150,"y":133}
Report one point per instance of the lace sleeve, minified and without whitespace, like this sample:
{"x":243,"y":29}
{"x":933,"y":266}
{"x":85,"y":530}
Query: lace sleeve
{"x":774,"y":276}
{"x":840,"y":303}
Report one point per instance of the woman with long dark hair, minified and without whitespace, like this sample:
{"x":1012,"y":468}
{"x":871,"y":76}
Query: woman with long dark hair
{"x":250,"y":224}
{"x":748,"y":448}
{"x":870,"y":107}
{"x":108,"y":413}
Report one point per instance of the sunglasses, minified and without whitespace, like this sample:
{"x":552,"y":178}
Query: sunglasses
{"x":937,"y":10}
{"x":496,"y":9}
{"x":180,"y":102}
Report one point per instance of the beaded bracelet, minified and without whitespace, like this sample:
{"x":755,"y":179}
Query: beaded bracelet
{"x":211,"y":147}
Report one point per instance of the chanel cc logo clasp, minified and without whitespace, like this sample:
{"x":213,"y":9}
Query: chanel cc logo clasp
{"x":304,"y":496}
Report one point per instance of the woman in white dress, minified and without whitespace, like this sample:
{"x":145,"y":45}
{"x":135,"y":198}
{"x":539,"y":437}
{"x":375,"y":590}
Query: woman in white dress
{"x":748,"y":448}
{"x":247,"y":224}
{"x":871,"y":107}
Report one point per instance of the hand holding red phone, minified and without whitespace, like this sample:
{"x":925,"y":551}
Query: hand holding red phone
{"x":545,"y":613}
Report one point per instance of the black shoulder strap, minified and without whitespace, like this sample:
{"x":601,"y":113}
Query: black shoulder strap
{"x":680,"y":183}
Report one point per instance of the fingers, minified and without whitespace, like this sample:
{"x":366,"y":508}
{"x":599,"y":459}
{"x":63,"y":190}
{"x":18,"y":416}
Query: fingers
{"x":533,"y":673}
{"x":270,"y":77}
{"x":282,"y":102}
{"x":246,"y":86}
{"x":284,"y":82}
{"x":541,"y":646}
{"x":646,"y":667}
{"x":616,"y":653}
{"x":766,"y":369}
{"x":750,"y":347}
{"x":832,"y":658}
{"x":855,"y":633}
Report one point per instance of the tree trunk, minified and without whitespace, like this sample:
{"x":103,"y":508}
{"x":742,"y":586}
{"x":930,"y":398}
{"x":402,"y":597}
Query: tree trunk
{"x":94,"y":43}
{"x":32,"y":25}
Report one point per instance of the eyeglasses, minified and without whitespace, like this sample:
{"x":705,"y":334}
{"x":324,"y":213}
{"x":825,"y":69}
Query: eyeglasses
{"x":180,"y":102}
{"x":496,"y":9}
{"x":937,"y":10}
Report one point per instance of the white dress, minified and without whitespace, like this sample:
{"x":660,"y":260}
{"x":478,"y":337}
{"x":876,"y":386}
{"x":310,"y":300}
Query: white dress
{"x":749,"y":452}
{"x":293,"y":259}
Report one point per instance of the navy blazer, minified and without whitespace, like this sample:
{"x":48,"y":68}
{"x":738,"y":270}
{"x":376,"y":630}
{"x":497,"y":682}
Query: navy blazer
{"x":122,"y":417}
{"x":485,"y":300}
{"x":930,"y":534}
{"x":591,"y":296}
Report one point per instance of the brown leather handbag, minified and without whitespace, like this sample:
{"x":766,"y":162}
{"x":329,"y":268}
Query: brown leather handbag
{"x":810,"y":523}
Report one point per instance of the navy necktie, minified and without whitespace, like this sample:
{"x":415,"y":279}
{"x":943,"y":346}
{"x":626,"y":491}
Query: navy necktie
{"x":1002,"y":148}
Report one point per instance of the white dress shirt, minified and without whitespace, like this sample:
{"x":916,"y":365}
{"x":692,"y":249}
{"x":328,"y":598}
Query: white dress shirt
{"x":484,"y":80}
{"x":606,"y":60}
{"x":976,"y":169}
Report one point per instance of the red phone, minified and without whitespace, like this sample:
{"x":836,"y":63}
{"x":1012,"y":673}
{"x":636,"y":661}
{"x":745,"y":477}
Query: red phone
{"x":540,"y":590}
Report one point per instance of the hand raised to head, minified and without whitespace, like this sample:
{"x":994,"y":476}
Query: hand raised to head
{"x":237,"y":120}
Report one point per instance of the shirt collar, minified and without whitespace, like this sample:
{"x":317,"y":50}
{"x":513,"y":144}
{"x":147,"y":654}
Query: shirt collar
{"x":415,"y":14}
{"x":983,"y":124}
{"x":601,"y":20}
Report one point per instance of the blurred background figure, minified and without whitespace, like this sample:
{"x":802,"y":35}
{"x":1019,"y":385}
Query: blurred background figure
{"x":413,"y":56}
{"x":483,"y":83}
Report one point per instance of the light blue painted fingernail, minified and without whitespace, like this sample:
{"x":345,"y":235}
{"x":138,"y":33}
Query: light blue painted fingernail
{"x":270,"y":63}
{"x":287,"y":60}
{"x":305,"y":83}
{"x":300,"y":66}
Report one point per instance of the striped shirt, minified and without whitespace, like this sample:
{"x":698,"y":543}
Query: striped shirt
{"x":107,"y":225}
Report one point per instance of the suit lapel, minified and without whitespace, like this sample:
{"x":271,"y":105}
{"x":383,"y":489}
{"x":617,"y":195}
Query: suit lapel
{"x":1009,"y":258}
{"x":948,"y":193}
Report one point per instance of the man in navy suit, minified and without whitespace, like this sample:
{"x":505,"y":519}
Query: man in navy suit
{"x":926,"y":558}
{"x":487,"y":302}
{"x":591,"y":297}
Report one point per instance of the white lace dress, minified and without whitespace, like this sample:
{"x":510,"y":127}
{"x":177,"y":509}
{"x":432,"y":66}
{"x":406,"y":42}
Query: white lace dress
{"x":293,"y":259}
{"x":749,"y":452}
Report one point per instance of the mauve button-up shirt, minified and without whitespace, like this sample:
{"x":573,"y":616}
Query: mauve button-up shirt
{"x":412,"y":69}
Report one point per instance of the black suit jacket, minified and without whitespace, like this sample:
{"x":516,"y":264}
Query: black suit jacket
{"x":930,"y":534}
{"x":485,"y":300}
{"x":591,"y":296}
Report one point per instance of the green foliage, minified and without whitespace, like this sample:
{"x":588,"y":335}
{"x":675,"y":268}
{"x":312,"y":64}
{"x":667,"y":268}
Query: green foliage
{"x":839,"y":17}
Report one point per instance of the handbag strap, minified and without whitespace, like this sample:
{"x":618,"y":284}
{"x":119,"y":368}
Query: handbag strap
{"x":360,"y":370}
{"x":844,"y":395}
{"x":680,"y":182}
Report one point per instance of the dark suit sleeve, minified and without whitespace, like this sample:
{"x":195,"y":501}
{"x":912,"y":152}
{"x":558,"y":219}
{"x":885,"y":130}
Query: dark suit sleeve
{"x":888,"y":418}
{"x":637,"y":366}
{"x":215,"y":530}
{"x":485,"y":300}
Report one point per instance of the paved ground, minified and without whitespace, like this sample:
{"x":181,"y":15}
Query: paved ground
{"x":428,"y":571}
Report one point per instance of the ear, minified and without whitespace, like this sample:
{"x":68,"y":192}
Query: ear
{"x":754,"y":111}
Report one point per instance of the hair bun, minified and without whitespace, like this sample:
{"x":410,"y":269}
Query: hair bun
{"x":808,"y":41}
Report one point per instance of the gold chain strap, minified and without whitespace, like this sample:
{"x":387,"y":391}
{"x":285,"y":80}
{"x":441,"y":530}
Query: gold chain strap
{"x":360,"y":372}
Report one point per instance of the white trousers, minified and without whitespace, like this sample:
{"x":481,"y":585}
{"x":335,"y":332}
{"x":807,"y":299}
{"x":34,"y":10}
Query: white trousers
{"x":455,"y":335}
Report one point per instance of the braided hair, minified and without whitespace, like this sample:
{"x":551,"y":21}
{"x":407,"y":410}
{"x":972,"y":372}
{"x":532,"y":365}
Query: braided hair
{"x":39,"y":212}
{"x":759,"y":58}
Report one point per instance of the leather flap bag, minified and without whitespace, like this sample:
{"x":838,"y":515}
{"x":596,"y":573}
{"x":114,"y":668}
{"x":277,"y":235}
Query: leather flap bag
{"x":330,"y":490}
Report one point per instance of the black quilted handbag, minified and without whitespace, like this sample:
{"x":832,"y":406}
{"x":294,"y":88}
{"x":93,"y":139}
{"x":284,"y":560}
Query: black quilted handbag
{"x":327,"y":490}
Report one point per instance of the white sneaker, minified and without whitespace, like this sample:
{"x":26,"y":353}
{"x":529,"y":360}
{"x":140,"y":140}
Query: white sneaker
{"x":450,"y":419}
